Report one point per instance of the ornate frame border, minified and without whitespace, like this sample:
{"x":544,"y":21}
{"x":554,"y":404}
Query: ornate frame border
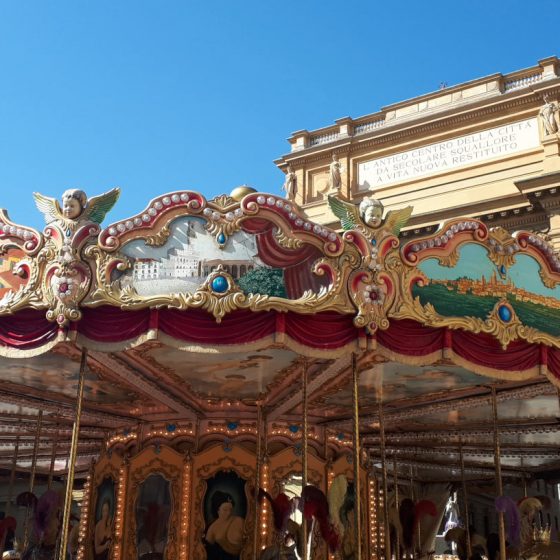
{"x":138,"y":473}
{"x":202,"y":474}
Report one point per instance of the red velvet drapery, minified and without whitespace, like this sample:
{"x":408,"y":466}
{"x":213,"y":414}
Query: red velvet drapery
{"x":30,"y":329}
{"x":297,"y":264}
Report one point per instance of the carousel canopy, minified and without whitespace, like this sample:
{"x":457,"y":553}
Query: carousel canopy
{"x":195,"y":311}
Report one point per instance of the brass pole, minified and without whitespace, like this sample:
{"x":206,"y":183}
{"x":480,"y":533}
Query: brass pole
{"x":32,"y":475}
{"x":525,"y":494}
{"x":53,"y":459}
{"x":12,"y":478}
{"x":498,"y":467}
{"x":413,"y":498}
{"x":465,"y":499}
{"x":72,"y":459}
{"x":387,"y":529}
{"x":357,"y":453}
{"x":36,"y":450}
{"x":304,"y":453}
{"x":396,"y":479}
{"x":10,"y":493}
{"x":257,"y":480}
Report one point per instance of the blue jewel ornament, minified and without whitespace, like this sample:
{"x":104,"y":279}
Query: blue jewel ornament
{"x":232,"y":426}
{"x":504,"y":313}
{"x":220,"y":284}
{"x":294,"y":428}
{"x":221,"y":238}
{"x":340,"y":436}
{"x":503,"y":270}
{"x":68,"y":232}
{"x":374,"y":242}
{"x":171,"y":428}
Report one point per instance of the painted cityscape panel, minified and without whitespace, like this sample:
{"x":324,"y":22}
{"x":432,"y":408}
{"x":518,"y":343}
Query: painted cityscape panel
{"x":475,"y":285}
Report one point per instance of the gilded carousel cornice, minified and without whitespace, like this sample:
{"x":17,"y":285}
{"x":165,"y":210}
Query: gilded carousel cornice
{"x":255,"y":252}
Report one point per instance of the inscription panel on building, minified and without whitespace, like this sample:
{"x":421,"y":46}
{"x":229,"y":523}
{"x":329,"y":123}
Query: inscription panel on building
{"x":494,"y":143}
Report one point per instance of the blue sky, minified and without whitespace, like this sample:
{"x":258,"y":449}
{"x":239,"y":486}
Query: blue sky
{"x":161,"y":95}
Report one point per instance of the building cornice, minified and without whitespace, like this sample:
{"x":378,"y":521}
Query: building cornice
{"x":418,"y":129}
{"x":428,"y":113}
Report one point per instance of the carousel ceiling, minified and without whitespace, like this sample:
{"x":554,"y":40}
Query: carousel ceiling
{"x":195,"y":312}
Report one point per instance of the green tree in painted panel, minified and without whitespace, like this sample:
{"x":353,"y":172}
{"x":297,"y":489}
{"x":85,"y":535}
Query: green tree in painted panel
{"x":265,"y":281}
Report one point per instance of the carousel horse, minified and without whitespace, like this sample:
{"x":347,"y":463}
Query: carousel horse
{"x":315,"y":508}
{"x":46,"y":526}
{"x":290,"y":547}
{"x":458,"y":535}
{"x":7,"y":539}
{"x":410,"y":515}
{"x":528,"y":508}
{"x":289,"y":536}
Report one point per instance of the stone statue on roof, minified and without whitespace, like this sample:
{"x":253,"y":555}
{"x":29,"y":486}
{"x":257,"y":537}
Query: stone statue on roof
{"x":335,"y":181}
{"x":550,"y":116}
{"x":290,"y":183}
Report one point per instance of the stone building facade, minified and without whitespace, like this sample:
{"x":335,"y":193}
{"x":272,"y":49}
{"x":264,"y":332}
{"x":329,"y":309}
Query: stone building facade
{"x":488,"y":148}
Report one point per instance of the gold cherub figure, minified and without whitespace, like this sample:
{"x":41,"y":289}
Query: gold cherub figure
{"x":369,"y":213}
{"x":76,"y":207}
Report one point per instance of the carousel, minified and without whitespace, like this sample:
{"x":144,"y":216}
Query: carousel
{"x":226,"y":380}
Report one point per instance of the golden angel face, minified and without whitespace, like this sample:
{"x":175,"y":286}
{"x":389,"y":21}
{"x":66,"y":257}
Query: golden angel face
{"x":372,"y":216}
{"x":73,"y":203}
{"x":71,"y":208}
{"x":371,"y":212}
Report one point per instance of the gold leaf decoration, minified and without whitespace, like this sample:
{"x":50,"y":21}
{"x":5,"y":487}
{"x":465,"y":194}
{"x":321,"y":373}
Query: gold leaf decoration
{"x":160,"y":238}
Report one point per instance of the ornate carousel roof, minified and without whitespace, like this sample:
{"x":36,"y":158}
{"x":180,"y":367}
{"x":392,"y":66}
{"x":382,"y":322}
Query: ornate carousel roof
{"x":193,"y":311}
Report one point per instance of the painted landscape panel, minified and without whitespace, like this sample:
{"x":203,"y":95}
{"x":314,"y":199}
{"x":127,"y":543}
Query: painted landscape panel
{"x":474,"y":285}
{"x":190,"y":254}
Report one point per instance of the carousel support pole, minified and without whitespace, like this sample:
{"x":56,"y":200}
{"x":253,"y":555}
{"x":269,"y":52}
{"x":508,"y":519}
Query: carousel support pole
{"x":524,"y":480}
{"x":413,"y":498}
{"x":498,"y":467}
{"x":357,"y":455}
{"x":257,"y":480}
{"x":396,"y":480}
{"x":53,"y":459}
{"x":12,"y":478}
{"x":304,"y":454}
{"x":32,"y":475}
{"x":386,"y":527}
{"x":72,"y":459}
{"x":10,"y":493}
{"x":465,"y":499}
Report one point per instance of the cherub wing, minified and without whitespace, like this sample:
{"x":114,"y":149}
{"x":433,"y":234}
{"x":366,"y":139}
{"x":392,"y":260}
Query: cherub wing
{"x":397,"y":219}
{"x":48,"y":206}
{"x":347,"y":213}
{"x":98,"y":206}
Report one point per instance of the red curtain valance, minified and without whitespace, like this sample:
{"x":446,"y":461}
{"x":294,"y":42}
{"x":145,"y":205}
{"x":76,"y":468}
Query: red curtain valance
{"x":26,"y":329}
{"x":30,"y":330}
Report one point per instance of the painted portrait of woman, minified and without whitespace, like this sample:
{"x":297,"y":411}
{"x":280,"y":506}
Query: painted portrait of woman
{"x":104,"y":513}
{"x":225,"y":509}
{"x":153,"y":509}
